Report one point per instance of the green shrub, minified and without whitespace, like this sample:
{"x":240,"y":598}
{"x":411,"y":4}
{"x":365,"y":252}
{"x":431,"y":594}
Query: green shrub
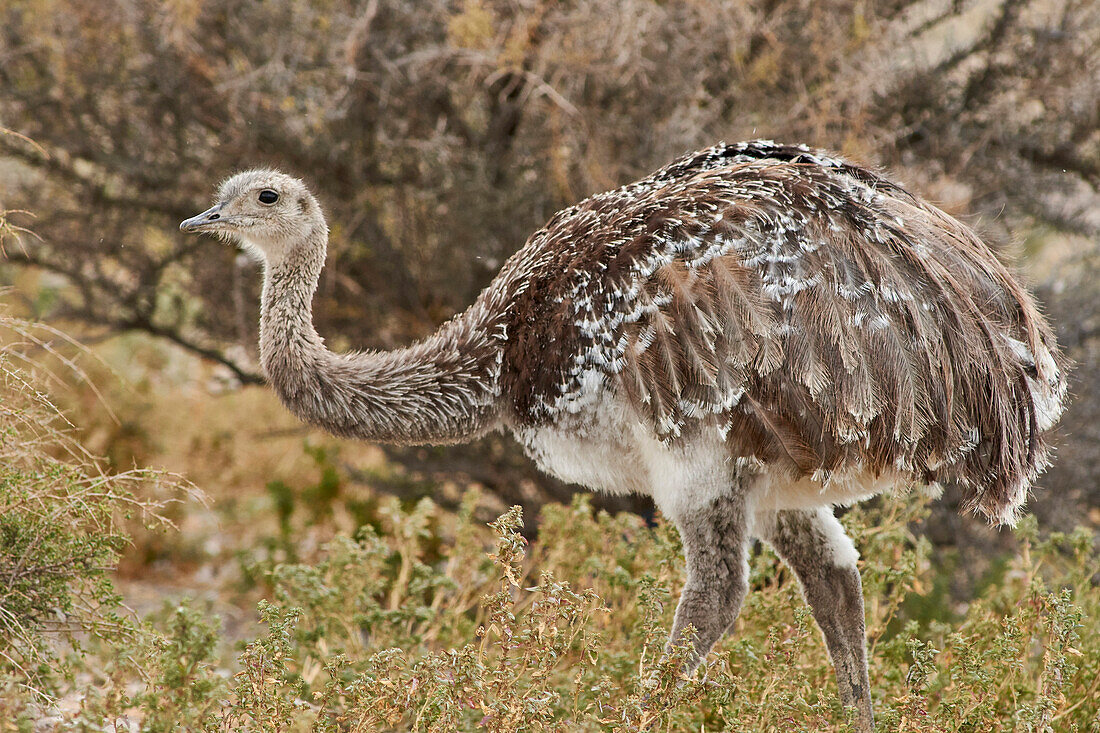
{"x":568,"y":634}
{"x":182,"y":682}
{"x":60,"y":523}
{"x":437,"y":623}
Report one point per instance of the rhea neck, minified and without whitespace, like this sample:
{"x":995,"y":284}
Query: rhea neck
{"x":441,"y":389}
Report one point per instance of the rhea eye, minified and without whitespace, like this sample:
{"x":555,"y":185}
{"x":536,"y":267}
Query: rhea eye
{"x":267,"y":196}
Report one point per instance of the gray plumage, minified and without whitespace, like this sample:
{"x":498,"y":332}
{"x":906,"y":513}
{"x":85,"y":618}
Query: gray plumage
{"x":750,"y":335}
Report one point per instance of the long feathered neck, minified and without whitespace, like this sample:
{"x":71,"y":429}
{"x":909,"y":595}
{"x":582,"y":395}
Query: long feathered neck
{"x":442,"y":389}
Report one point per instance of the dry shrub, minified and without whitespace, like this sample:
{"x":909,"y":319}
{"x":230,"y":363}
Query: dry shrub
{"x":440,"y":134}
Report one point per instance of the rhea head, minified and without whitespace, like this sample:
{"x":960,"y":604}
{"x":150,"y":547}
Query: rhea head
{"x":268,"y":213}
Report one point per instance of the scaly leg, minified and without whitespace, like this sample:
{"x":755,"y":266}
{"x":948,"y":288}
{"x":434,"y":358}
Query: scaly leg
{"x":813,"y":544}
{"x":715,"y":541}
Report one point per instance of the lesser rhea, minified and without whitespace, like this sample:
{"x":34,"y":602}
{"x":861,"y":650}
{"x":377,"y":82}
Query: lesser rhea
{"x":751,"y":335}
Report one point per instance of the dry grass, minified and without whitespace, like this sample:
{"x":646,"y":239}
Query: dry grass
{"x":432,"y":621}
{"x":64,"y":519}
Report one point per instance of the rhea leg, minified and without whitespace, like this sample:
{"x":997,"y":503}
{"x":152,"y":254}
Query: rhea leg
{"x":815,"y":547}
{"x":715,"y":539}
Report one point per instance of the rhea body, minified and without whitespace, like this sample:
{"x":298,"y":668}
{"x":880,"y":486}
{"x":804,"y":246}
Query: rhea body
{"x":751,"y":335}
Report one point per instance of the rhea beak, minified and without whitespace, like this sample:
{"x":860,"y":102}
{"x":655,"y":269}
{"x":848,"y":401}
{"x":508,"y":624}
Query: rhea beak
{"x":202,"y":222}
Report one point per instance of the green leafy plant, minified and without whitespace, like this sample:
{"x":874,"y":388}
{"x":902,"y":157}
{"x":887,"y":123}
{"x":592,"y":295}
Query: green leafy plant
{"x":568,"y":632}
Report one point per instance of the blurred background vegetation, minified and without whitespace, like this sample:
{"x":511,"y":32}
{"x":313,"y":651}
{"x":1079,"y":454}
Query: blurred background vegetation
{"x":438,"y":135}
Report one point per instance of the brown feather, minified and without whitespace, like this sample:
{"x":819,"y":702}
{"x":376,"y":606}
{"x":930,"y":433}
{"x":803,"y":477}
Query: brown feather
{"x":817,"y":314}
